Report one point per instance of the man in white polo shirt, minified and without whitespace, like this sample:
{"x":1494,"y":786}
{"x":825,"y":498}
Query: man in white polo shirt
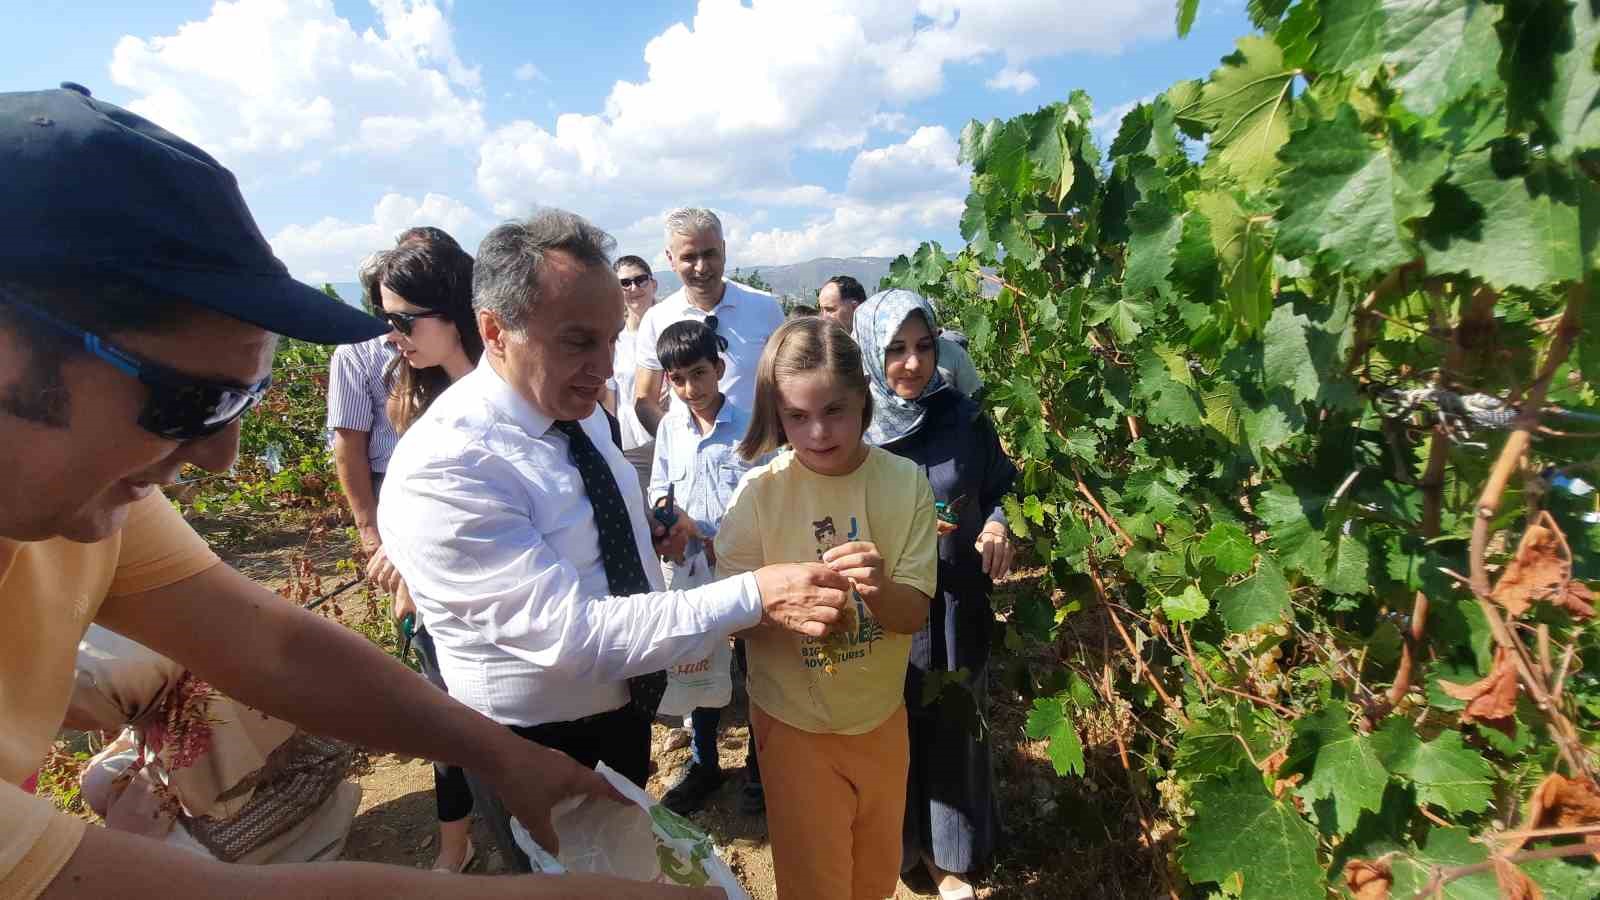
{"x":744,"y":316}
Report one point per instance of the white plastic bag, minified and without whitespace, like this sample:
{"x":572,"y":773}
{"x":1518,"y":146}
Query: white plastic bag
{"x":640,"y":841}
{"x":707,"y":682}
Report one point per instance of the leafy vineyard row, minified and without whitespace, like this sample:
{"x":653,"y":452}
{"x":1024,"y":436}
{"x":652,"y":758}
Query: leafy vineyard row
{"x":1298,"y":375}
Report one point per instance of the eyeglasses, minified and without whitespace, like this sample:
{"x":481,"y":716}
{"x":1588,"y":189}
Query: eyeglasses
{"x":635,"y":281}
{"x":404,"y":322}
{"x":711,"y":323}
{"x":179,"y":407}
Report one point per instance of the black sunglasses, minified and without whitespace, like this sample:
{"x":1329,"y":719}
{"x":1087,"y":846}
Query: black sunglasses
{"x":404,"y":322}
{"x":711,"y":323}
{"x":635,"y":281}
{"x":179,"y":407}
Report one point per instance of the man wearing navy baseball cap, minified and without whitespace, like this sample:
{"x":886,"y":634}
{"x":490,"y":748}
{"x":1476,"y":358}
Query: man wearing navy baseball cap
{"x":139,"y":310}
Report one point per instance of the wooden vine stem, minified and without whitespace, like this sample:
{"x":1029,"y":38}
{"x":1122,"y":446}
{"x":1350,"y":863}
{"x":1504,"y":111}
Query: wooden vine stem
{"x":1442,"y":877}
{"x":1488,"y":506}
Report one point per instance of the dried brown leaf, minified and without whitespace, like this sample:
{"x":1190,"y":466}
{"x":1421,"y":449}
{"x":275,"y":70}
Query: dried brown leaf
{"x":1515,"y":883}
{"x":1541,"y":570}
{"x":1562,"y":802}
{"x":1493,"y":700}
{"x":1577,"y":600}
{"x":1368,"y":879}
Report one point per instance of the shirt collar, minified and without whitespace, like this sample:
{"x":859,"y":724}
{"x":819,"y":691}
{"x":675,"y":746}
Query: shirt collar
{"x":724,"y":416}
{"x":730,"y":295}
{"x":505,"y":398}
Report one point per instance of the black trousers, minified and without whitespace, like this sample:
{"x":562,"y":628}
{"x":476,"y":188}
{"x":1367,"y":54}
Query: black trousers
{"x":619,"y":738}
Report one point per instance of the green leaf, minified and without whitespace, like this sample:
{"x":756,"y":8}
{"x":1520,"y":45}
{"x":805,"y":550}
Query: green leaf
{"x":1344,"y":770}
{"x":1229,"y":548}
{"x":1126,"y":316}
{"x":1221,"y":738}
{"x":1301,"y":547}
{"x":1447,"y":773}
{"x":1082,"y":444}
{"x":1171,"y":401}
{"x":1440,"y":50}
{"x":1240,"y":831}
{"x":1342,"y":199}
{"x":1444,"y":848}
{"x":1048,"y":721}
{"x":1563,"y":880}
{"x":1245,"y":109}
{"x":1570,"y":112}
{"x":1153,"y":243}
{"x":1258,"y":600}
{"x":1512,"y":231}
{"x":1348,"y":567}
{"x":1186,"y":13}
{"x":1243,"y":245}
{"x":1187,"y":606}
{"x":1349,"y":37}
{"x":1286,"y":358}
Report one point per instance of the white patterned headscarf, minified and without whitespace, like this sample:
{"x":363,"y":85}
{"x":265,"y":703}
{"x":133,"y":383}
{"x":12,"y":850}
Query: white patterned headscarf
{"x":876,"y":323}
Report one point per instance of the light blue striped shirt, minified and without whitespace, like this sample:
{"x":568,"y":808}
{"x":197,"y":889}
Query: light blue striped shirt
{"x":358,"y":400}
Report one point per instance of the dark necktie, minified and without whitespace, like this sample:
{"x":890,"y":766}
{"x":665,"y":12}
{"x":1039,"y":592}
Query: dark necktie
{"x":618,"y":550}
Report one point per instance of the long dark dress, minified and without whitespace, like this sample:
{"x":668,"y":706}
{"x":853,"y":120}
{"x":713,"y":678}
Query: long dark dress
{"x":950,"y":811}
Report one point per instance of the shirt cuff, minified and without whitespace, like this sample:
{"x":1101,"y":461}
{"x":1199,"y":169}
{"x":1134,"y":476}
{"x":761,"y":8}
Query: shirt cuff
{"x":734,"y":604}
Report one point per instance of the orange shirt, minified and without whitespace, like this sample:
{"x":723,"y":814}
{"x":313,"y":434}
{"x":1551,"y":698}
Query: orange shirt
{"x":49,"y":593}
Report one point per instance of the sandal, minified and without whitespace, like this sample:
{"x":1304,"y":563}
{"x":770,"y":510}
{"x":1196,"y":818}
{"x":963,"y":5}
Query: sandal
{"x":467,"y":859}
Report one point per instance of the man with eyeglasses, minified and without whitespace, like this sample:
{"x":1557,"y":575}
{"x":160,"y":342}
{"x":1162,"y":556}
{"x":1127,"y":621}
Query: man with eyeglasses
{"x":744,"y":316}
{"x":139,"y":312}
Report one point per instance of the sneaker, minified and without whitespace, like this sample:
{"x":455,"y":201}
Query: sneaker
{"x":690,"y":793}
{"x":752,"y":799}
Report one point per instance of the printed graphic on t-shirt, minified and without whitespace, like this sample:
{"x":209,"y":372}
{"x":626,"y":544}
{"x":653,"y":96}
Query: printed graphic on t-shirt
{"x":859,"y":630}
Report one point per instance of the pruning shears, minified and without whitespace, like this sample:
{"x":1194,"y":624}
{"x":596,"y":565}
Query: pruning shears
{"x":408,"y":630}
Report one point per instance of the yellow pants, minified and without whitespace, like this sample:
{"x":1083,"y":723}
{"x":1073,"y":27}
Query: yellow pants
{"x":836,"y":804}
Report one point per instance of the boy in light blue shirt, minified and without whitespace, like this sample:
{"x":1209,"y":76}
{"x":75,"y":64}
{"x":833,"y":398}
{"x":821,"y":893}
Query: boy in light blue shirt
{"x":695,"y":457}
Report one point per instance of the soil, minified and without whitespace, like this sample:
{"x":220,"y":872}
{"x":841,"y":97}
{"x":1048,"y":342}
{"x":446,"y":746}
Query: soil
{"x":1068,"y":837}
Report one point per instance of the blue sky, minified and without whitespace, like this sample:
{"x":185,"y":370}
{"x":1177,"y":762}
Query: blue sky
{"x":815,"y":127}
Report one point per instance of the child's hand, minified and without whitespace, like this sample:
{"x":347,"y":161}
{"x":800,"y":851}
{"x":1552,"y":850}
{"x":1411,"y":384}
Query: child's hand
{"x":944,"y":527}
{"x":860,"y":562}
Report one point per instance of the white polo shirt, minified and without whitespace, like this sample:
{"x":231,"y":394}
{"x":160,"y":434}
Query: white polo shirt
{"x":746,"y":317}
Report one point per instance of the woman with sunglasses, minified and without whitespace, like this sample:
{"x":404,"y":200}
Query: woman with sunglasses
{"x":638,"y":295}
{"x":425,"y":294}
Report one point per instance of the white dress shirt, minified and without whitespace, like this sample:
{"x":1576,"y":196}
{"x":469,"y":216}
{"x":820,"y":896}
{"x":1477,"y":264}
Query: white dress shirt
{"x":486,"y":519}
{"x":624,"y":368}
{"x":746,"y":317}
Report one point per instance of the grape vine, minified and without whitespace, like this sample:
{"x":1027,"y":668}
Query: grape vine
{"x":1298,"y":375}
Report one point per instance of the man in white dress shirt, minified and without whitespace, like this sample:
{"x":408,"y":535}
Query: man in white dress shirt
{"x":503,"y":505}
{"x":744,"y":316}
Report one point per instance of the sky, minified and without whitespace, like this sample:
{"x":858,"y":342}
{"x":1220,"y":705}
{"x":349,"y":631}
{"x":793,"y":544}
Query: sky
{"x":813,"y":127}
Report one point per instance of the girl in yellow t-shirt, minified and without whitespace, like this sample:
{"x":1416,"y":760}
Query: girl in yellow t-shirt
{"x":828,"y":713}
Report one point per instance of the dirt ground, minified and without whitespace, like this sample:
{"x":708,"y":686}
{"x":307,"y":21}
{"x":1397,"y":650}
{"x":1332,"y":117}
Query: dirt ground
{"x":1062,"y":837}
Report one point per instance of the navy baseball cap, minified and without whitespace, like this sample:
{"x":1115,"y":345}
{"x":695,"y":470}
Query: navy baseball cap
{"x":90,"y":187}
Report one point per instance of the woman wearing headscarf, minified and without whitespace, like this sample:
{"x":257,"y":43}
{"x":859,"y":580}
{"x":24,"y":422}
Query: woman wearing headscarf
{"x":951,"y":818}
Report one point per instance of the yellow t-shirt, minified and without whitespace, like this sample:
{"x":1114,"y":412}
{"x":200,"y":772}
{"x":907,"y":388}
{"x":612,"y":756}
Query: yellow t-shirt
{"x":784,"y":512}
{"x":49,"y":593}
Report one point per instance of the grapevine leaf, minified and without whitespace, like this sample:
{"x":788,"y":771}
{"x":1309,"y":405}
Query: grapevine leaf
{"x":1444,"y":848}
{"x":1287,"y":359}
{"x":1512,"y":231}
{"x":1125,"y":316}
{"x":1048,"y":721}
{"x":1447,"y":773}
{"x":1229,"y":548}
{"x":1345,"y":772}
{"x":999,"y":150}
{"x":1349,"y":37}
{"x":1225,"y":412}
{"x":1187,"y":606}
{"x":1245,"y":109}
{"x":1082,"y":444}
{"x":1244,"y":254}
{"x":1573,"y":111}
{"x":1339,"y":199}
{"x":1562,"y":880}
{"x":1151,"y":247}
{"x":1186,"y":13}
{"x":1240,"y":831}
{"x":975,"y":224}
{"x":1171,"y":401}
{"x":1300,"y":547}
{"x":1219,"y":739}
{"x":1439,"y":50}
{"x":1348,"y":567}
{"x":1255,"y":601}
{"x":1264,"y":14}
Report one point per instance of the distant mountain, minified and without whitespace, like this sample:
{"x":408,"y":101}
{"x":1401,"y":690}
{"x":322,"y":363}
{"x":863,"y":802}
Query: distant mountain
{"x":800,"y":279}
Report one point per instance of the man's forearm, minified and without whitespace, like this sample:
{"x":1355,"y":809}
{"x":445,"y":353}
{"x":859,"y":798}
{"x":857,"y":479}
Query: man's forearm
{"x":355,"y":476}
{"x":900,"y":609}
{"x":647,"y":404}
{"x":293,"y":660}
{"x":116,"y":864}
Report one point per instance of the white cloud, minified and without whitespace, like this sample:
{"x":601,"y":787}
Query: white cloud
{"x":258,"y":79}
{"x":892,"y":122}
{"x":330,"y":249}
{"x":925,"y":162}
{"x":1012,"y":79}
{"x":530,"y":72}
